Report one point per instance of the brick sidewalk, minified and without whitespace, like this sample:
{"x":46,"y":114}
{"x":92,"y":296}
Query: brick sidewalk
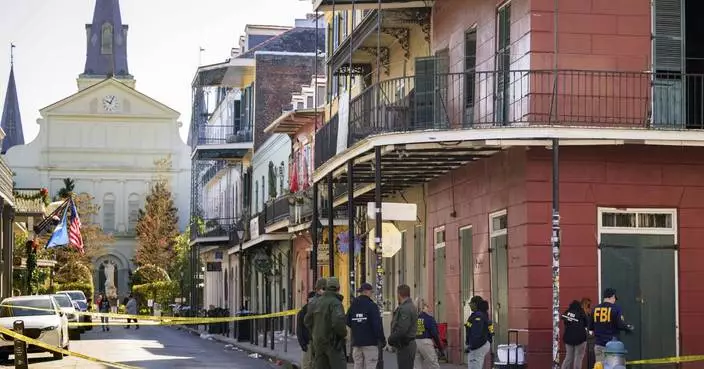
{"x":287,"y":350}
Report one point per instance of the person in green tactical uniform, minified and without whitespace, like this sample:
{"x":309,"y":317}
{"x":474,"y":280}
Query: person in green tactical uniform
{"x":403,"y":328}
{"x":327,"y":323}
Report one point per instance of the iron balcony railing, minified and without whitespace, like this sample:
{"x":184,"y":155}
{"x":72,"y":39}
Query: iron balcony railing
{"x":277,"y":210}
{"x":212,"y":227}
{"x":327,"y":136}
{"x":302,"y":207}
{"x":519,"y":98}
{"x":215,"y":134}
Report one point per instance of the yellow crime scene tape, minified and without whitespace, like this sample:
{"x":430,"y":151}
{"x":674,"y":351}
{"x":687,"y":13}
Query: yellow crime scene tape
{"x":34,"y":342}
{"x":161,"y":320}
{"x":668,"y":360}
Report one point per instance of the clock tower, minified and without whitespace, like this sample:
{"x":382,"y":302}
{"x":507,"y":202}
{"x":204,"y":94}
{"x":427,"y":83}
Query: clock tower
{"x":106,"y":47}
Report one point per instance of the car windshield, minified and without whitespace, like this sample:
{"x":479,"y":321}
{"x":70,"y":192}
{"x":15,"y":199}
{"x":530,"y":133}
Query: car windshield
{"x":33,"y":307}
{"x":82,"y":305}
{"x":63,"y":301}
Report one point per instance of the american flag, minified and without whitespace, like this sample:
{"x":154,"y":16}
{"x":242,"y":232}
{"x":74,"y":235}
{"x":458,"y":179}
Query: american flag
{"x":74,"y":230}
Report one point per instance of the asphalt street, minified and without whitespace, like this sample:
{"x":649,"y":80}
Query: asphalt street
{"x":148,"y":347}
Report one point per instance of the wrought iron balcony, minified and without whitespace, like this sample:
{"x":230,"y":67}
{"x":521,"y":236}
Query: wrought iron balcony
{"x":302,"y":207}
{"x":330,"y":5}
{"x":277,"y":210}
{"x":211,"y":141}
{"x":212,"y":228}
{"x":529,"y":98}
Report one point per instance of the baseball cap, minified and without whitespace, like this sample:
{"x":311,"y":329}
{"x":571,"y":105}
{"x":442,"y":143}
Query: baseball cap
{"x":610,"y":292}
{"x":365,"y":287}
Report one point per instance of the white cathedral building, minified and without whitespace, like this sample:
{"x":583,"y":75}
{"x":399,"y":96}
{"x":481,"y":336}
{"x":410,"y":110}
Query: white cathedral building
{"x":107,"y":137}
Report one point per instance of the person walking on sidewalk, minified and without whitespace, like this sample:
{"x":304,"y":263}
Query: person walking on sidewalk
{"x":303,"y":334}
{"x":104,"y":307}
{"x":427,"y":338}
{"x":326,"y":321}
{"x":607,"y":323}
{"x":575,"y":337}
{"x":478,"y":333}
{"x":364,"y":320}
{"x":131,"y":308}
{"x":320,"y":286}
{"x":403,"y":328}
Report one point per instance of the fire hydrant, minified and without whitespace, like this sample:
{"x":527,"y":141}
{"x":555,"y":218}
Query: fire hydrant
{"x":614,"y":356}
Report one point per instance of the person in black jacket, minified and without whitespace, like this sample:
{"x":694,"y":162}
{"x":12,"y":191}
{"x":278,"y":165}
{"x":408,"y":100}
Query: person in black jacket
{"x":478,"y":333}
{"x":303,"y":334}
{"x":575,"y":338}
{"x":364,"y":319}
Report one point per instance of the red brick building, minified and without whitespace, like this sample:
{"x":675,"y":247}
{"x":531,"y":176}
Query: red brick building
{"x":473,"y":127}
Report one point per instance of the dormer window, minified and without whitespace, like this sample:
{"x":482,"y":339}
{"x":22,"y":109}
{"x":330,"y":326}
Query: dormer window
{"x":106,"y":39}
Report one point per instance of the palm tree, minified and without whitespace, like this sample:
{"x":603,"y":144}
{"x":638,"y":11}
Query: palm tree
{"x":67,"y":190}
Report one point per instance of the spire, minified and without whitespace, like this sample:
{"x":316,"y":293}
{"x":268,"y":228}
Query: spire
{"x":106,"y":52}
{"x":11,"y":121}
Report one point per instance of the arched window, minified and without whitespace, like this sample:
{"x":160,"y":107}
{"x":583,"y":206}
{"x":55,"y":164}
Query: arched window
{"x":133,"y":212}
{"x":106,"y":39}
{"x":109,"y":213}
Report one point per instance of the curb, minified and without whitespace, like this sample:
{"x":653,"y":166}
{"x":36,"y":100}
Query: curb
{"x":286,"y":364}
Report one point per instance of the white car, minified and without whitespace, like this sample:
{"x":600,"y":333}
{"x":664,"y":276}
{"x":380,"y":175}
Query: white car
{"x":43,"y":321}
{"x":67,"y":307}
{"x":79,"y":298}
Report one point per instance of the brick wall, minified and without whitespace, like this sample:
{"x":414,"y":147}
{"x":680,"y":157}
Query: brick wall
{"x":277,"y":77}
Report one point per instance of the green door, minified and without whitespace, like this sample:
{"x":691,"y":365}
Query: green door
{"x":440,"y":284}
{"x":467,"y":276}
{"x":499,"y":288}
{"x":642,"y":270}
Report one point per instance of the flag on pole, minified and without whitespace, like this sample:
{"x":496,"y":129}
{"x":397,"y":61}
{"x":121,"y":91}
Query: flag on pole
{"x":59,"y":237}
{"x":74,"y":232}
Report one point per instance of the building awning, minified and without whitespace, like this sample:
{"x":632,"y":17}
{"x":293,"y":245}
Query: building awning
{"x":292,"y":121}
{"x":260,"y":239}
{"x":236,"y":73}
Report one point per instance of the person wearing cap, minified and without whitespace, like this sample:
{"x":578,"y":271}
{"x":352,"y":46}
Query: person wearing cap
{"x":327,"y":323}
{"x":364,"y":319}
{"x":403,"y":328}
{"x":303,"y":334}
{"x":478,"y":332}
{"x":607,"y":322}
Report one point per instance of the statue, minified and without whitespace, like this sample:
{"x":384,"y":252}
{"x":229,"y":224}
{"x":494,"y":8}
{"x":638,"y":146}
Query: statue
{"x":110,"y":290}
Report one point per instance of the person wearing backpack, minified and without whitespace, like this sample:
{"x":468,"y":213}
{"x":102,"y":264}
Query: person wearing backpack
{"x":575,"y":337}
{"x":478,"y":333}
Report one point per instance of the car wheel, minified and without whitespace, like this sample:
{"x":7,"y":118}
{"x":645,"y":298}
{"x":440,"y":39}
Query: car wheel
{"x":74,"y":335}
{"x":58,"y":355}
{"x":4,"y":357}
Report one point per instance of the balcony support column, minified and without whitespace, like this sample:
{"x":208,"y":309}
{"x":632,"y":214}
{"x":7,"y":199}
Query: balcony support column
{"x":331,"y":228}
{"x":350,"y":218}
{"x":314,"y":236}
{"x":377,"y":231}
{"x":555,"y":241}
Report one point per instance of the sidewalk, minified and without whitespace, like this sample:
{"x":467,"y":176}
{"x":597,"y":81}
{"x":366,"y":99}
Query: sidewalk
{"x":293,"y":352}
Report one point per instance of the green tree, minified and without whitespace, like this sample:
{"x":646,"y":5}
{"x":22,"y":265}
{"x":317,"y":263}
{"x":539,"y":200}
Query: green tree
{"x":157,"y":228}
{"x":180,"y":270}
{"x":66,"y":192}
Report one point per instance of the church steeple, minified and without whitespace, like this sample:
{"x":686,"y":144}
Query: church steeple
{"x":11,"y":121}
{"x":106,"y":52}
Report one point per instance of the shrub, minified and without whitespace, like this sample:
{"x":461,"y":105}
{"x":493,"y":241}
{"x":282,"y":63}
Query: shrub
{"x":162,"y":292}
{"x":149,"y":273}
{"x":74,"y":272}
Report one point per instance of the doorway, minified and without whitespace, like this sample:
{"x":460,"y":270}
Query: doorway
{"x":467,"y":280}
{"x":638,"y":257}
{"x":498,"y":247}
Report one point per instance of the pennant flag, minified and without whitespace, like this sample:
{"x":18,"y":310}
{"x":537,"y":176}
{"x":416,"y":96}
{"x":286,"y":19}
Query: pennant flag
{"x":59,"y":237}
{"x":74,"y":232}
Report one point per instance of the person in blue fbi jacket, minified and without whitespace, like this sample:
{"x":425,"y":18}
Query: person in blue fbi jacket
{"x":427,"y":338}
{"x":607,"y":323}
{"x":364,"y":320}
{"x":479,"y":333}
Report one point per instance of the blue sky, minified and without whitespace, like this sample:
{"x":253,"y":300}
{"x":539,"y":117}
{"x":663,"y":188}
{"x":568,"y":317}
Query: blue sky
{"x":163,"y":45}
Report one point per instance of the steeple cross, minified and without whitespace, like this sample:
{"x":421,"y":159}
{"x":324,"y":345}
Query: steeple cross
{"x":12,"y":54}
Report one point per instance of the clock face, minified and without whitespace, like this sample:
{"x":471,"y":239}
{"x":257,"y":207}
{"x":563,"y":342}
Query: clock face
{"x":110,"y":103}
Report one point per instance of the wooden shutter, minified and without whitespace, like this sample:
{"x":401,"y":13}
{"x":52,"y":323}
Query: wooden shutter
{"x":425,"y":92}
{"x":668,"y":35}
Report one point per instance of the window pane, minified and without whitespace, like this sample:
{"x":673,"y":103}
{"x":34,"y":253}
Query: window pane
{"x":621,"y":220}
{"x":654,"y":220}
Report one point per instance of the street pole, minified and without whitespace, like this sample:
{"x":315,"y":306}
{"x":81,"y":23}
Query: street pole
{"x":241,"y":276}
{"x":377,"y":231}
{"x":555,"y":240}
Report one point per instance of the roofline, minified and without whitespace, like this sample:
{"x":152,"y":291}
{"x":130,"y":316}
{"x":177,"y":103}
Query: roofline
{"x":85,"y":91}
